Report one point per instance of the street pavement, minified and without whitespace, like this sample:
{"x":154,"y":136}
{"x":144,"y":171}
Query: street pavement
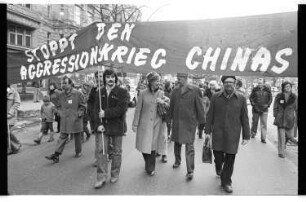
{"x":258,"y":169}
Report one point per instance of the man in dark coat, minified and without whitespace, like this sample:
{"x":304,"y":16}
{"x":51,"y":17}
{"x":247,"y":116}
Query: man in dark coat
{"x":114,"y":100}
{"x":71,"y":107}
{"x":186,"y":111}
{"x":227,"y":114}
{"x":260,"y":99}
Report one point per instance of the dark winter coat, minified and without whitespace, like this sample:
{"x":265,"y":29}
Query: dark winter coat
{"x":285,"y":112}
{"x":225,"y":119}
{"x":115,"y":107}
{"x":186,"y":112}
{"x":261,"y":100}
{"x":71,"y":109}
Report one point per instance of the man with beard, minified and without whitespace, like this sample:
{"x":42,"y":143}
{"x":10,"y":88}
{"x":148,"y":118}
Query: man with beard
{"x":114,"y":101}
{"x":70,"y":107}
{"x":227,"y":114}
{"x":186,"y":111}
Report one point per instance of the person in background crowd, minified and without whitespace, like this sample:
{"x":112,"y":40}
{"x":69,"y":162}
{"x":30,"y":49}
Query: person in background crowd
{"x":85,"y":89}
{"x":13,"y":104}
{"x":94,"y":92}
{"x":227,"y":114}
{"x":212,"y":89}
{"x":260,"y":99}
{"x":36,"y":92}
{"x":285,"y":113}
{"x":53,"y":93}
{"x":149,"y":125}
{"x":206,"y":103}
{"x":114,"y":100}
{"x":71,"y":107}
{"x":47,"y":113}
{"x":186,"y":111}
{"x":239,"y":88}
{"x":168,"y":91}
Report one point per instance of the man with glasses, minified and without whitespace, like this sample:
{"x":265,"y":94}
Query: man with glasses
{"x":260,"y":99}
{"x":109,"y":119}
{"x":70,"y":107}
{"x":227,"y":114}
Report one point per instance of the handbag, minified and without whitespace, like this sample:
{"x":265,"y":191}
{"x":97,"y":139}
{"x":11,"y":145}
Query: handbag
{"x":207,"y":153}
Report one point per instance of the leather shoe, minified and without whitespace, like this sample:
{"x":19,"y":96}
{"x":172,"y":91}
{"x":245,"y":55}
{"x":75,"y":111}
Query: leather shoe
{"x":281,"y":156}
{"x":218,"y":173}
{"x":263,"y":141}
{"x":164,"y":159}
{"x":37,"y":141}
{"x":53,"y":157}
{"x":78,"y":155}
{"x":176,"y":165}
{"x":152,"y":173}
{"x":99,"y":183}
{"x":228,"y":188}
{"x":114,"y":179}
{"x":189,"y":176}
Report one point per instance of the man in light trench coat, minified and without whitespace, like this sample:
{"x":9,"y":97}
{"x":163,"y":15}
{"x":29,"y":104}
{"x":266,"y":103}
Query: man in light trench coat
{"x":227,"y":114}
{"x":186,"y":111}
{"x":71,"y":107}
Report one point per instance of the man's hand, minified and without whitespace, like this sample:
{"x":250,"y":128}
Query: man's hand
{"x":101,"y":129}
{"x":244,"y":142}
{"x":134,"y":128}
{"x":101,"y":114}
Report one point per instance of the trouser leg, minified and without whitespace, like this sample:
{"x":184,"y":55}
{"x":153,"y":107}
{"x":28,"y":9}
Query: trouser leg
{"x":219,"y":158}
{"x":61,"y":143}
{"x":102,"y":163}
{"x":228,"y":169}
{"x":263,"y":125}
{"x":150,"y":160}
{"x":289,"y":134}
{"x":78,"y":142}
{"x":177,"y":152}
{"x":281,"y":140}
{"x":189,"y":154}
{"x":116,"y":155}
{"x":255,"y":119}
{"x":86,"y":130}
{"x":14,"y":142}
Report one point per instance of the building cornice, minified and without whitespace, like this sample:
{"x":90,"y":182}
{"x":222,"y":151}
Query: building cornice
{"x":33,"y":18}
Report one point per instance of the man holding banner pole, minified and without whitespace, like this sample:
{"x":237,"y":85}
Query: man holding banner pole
{"x":110,"y":116}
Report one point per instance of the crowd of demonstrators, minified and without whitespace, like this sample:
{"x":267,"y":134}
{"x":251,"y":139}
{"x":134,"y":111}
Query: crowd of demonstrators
{"x":238,"y":86}
{"x":71,"y":107}
{"x":110,"y":129}
{"x":260,"y":99}
{"x":150,"y":125}
{"x":47,"y":113}
{"x":185,"y":120}
{"x":227,"y":114}
{"x":213,"y":87}
{"x":13,"y":104}
{"x":285,"y":113}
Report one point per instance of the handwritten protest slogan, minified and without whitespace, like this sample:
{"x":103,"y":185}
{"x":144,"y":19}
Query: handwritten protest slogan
{"x":243,"y":46}
{"x":83,"y":59}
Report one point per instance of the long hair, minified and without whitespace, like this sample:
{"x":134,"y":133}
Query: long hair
{"x":109,"y":72}
{"x":284,"y":85}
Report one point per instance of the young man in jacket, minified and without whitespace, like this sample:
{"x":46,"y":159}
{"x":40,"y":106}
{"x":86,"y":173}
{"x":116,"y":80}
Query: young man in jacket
{"x":71,"y":107}
{"x":110,"y":120}
{"x":227,"y":114}
{"x":260,"y":99}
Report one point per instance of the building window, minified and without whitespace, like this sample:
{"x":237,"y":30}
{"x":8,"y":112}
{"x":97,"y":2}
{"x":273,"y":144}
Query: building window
{"x":19,"y":36}
{"x":77,"y":15}
{"x":26,"y":5}
{"x":48,"y":37}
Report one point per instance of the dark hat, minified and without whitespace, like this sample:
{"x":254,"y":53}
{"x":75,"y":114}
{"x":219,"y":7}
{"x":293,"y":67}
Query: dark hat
{"x":223,"y":78}
{"x":152,"y":76}
{"x":182,"y":75}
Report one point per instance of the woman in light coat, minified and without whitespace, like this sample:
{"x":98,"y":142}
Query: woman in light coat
{"x":149,"y":125}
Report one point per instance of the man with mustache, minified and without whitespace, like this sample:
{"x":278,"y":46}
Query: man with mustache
{"x":110,"y":117}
